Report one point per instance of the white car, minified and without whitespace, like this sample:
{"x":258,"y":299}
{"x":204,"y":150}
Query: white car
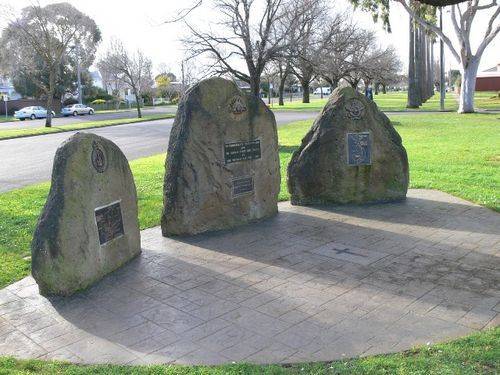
{"x":326,"y":90}
{"x":32,"y":113}
{"x":77,"y":109}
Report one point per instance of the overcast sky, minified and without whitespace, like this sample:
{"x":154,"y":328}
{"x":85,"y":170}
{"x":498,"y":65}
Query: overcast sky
{"x":140,"y":25}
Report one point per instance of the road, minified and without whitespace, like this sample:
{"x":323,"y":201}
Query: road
{"x":26,"y":161}
{"x":58,"y":121}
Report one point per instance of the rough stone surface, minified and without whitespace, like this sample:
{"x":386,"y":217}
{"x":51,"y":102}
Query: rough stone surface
{"x":69,"y":252}
{"x":207,"y":187}
{"x":308,"y":284}
{"x":325,"y":170}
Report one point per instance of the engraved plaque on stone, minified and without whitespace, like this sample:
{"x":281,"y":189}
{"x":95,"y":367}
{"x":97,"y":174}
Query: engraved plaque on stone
{"x":109,"y":222}
{"x":242,"y":185}
{"x":359,"y":149}
{"x":241,"y":151}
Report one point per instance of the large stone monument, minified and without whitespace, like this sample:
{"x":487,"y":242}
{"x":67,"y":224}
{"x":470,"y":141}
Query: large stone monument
{"x":222,"y":166}
{"x":89,"y":225}
{"x":352,"y":154}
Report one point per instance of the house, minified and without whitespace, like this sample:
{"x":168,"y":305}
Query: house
{"x":6,"y":88}
{"x":489,"y":80}
{"x":96,"y":79}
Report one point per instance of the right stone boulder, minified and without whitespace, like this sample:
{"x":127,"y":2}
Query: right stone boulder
{"x":352,"y":154}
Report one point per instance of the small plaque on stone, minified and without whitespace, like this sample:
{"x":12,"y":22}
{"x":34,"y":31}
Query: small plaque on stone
{"x":241,"y":151}
{"x":358,"y":149}
{"x":243,"y":185}
{"x":109,"y":222}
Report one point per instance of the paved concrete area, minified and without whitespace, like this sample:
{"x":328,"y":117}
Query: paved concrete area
{"x":26,"y":161}
{"x":310,"y":284}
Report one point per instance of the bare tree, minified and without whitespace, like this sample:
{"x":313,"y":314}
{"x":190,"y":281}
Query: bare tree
{"x":462,"y":17}
{"x":247,"y":33}
{"x":385,"y":66}
{"x":316,"y":28}
{"x":38,"y":41}
{"x":336,"y":59}
{"x":360,"y":59}
{"x":134,"y":70}
{"x":283,"y":69}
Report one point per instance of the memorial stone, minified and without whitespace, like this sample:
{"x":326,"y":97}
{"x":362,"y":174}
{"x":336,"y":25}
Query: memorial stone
{"x":222,"y":166}
{"x":89,"y":225}
{"x":352,"y":154}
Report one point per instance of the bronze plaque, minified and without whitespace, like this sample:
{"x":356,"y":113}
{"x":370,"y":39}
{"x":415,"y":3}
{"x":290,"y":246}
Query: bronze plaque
{"x":359,"y":149}
{"x":241,"y":151}
{"x":242,"y":185}
{"x":109,"y":222}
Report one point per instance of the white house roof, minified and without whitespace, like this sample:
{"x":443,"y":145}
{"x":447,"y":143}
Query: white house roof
{"x":491,"y":72}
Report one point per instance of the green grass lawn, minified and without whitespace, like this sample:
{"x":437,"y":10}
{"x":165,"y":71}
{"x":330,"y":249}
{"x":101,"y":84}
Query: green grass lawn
{"x":26,"y":132}
{"x":458,"y":154}
{"x":7,"y":119}
{"x":478,"y":353}
{"x":487,"y":100}
{"x":455,"y":153}
{"x":396,"y":101}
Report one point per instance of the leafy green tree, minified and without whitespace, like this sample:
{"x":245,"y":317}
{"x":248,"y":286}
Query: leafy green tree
{"x":48,"y":36}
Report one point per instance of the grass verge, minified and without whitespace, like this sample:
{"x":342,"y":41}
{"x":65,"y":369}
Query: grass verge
{"x":478,"y":353}
{"x":28,"y":132}
{"x":396,"y":102}
{"x":458,"y":154}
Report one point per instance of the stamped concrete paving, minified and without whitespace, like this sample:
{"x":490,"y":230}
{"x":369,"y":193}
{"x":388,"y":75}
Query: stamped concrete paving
{"x":310,"y":284}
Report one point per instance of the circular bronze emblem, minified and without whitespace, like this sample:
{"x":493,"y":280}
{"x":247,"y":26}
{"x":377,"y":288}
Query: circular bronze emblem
{"x":98,"y":157}
{"x":355,"y":109}
{"x":237,"y":105}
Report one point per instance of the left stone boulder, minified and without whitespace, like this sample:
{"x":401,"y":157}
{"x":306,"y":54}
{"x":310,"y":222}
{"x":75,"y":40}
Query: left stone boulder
{"x":89,"y":226}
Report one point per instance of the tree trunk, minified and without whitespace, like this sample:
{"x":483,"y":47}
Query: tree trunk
{"x":418,"y":67}
{"x":384,"y":89}
{"x":283,"y":74}
{"x":281,"y":90}
{"x":431,"y":83}
{"x":422,"y":81}
{"x":50,"y":98}
{"x":137,"y":103}
{"x":469,"y":73}
{"x":255,"y":86}
{"x":305,"y":88}
{"x":334,"y":83}
{"x":413,"y":101}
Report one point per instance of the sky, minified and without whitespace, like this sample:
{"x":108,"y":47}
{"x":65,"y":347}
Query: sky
{"x":140,"y":25}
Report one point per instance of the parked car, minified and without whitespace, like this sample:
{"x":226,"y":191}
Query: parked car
{"x":326,"y":91}
{"x":77,"y":109}
{"x":32,"y":113}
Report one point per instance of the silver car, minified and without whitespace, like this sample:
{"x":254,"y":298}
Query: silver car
{"x":32,"y":113}
{"x":77,"y":109}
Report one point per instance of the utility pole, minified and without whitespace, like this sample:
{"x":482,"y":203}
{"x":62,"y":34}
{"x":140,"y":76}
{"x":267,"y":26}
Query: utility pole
{"x":78,"y":73}
{"x":442,"y":90}
{"x":5,"y":100}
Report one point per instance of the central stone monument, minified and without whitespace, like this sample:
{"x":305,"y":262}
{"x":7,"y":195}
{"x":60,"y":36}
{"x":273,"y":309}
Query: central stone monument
{"x":352,"y":154}
{"x":89,"y":225}
{"x":222,"y":166}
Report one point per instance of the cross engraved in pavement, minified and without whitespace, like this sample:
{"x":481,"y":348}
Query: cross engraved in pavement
{"x":347,"y":251}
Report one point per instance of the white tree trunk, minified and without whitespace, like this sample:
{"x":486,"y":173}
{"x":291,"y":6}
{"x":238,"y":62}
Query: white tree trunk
{"x":469,"y":73}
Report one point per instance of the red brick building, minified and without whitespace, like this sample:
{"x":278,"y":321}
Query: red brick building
{"x":488,"y":80}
